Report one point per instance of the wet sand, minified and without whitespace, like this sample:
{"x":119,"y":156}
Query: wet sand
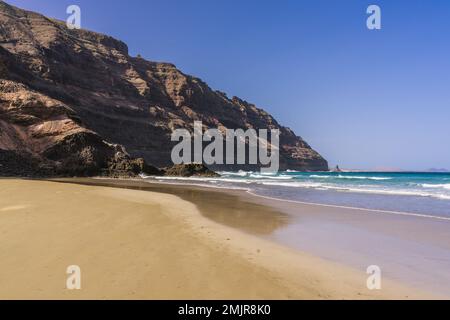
{"x":409,"y":249}
{"x":149,"y":243}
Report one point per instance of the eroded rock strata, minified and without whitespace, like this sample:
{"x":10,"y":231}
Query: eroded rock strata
{"x":74,"y":102}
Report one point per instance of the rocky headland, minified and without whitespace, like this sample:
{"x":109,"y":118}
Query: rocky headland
{"x":75,"y":103}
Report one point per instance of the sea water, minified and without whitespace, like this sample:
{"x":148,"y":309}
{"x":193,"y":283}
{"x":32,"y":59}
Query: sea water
{"x":414,"y":192}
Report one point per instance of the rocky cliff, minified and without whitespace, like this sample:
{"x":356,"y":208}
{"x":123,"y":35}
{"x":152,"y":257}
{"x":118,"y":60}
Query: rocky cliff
{"x":77,"y":100}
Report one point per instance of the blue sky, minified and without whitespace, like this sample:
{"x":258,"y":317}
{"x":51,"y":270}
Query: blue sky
{"x":363,"y":99}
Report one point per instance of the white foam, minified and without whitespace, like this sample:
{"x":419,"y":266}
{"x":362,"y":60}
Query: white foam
{"x":315,"y":176}
{"x":212,"y":183}
{"x":294,"y":184}
{"x":436,"y":186}
{"x":355,"y":208}
{"x":363,"y":178}
{"x":357,"y":189}
{"x":231,"y":179}
{"x":240,"y":173}
{"x":259,"y":176}
{"x":191,"y":183}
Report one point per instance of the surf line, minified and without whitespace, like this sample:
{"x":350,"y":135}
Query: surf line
{"x":354,"y":208}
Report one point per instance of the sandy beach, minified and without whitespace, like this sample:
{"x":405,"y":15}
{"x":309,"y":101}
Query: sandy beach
{"x":133,"y":244}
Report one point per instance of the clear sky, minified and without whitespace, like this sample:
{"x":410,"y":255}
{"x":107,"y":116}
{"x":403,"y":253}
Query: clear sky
{"x":362,"y":98}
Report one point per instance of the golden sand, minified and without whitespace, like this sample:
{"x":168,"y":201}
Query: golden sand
{"x":134,"y":244}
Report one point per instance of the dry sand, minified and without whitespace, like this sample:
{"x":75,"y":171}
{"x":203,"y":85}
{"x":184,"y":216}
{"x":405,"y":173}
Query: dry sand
{"x":134,"y":244}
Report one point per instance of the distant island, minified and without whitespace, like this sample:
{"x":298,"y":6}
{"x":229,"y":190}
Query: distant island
{"x":438,"y":170}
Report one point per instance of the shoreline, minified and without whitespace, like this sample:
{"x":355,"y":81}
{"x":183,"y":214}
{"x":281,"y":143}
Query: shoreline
{"x":352,"y":237}
{"x":401,"y":213}
{"x":247,"y":190}
{"x":422,"y":195}
{"x":234,"y":264}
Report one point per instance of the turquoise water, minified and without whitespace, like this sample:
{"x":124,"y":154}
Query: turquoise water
{"x":414,"y":253}
{"x":434,"y":185}
{"x":424,"y":193}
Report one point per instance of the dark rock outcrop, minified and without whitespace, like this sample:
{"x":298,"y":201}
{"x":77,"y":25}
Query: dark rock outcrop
{"x":122,"y":165}
{"x":13,"y":164}
{"x":75,"y":100}
{"x":189,"y":170}
{"x":41,"y":136}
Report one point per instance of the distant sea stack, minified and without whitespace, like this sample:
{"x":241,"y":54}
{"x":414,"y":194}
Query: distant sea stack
{"x":74,"y":102}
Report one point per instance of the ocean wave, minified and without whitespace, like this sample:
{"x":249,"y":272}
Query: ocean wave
{"x":261,"y":176}
{"x":321,"y":186}
{"x":293,"y":184}
{"x":205,"y":179}
{"x":249,"y":179}
{"x":200,"y":182}
{"x":401,"y":192}
{"x":240,"y":173}
{"x":363,"y":178}
{"x":268,"y":173}
{"x":314,"y":176}
{"x":436,"y":186}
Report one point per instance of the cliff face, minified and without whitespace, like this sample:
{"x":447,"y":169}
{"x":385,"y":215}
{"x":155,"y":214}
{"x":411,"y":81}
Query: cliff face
{"x":61,"y":87}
